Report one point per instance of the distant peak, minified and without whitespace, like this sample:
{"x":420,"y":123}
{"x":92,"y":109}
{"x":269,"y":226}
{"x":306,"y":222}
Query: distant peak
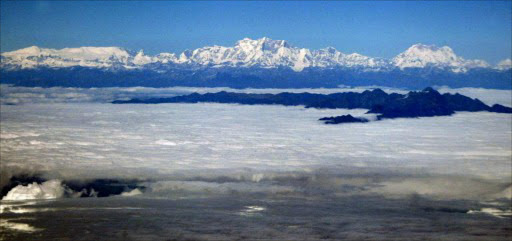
{"x":329,"y":49}
{"x":262,"y":52}
{"x":430,"y":90}
{"x":422,"y":55}
{"x":264,"y":42}
{"x":378,"y":91}
{"x":424,"y":48}
{"x":262,"y":39}
{"x":32,"y":50}
{"x":504,"y":64}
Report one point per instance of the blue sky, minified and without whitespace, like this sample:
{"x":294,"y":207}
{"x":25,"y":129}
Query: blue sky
{"x":379,"y":29}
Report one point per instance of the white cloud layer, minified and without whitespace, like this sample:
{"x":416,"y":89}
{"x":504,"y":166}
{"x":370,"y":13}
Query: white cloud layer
{"x":220,"y":149}
{"x":47,"y":190}
{"x":236,"y":148}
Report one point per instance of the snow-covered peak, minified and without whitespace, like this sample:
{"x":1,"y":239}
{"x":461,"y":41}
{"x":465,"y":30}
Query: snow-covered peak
{"x":29,"y":51}
{"x":261,"y":53}
{"x":504,"y":64}
{"x":166,"y":58}
{"x":268,"y":44}
{"x":330,"y":50}
{"x":262,"y":44}
{"x":142,"y":59}
{"x":92,"y":53}
{"x":421,"y":55}
{"x":34,"y":56}
{"x":264,"y":52}
{"x":82,"y":52}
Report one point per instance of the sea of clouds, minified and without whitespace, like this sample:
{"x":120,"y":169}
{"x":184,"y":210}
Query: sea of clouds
{"x":63,"y":134}
{"x":186,"y":145}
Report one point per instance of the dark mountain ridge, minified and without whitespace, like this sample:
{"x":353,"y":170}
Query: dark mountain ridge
{"x":426,"y":103}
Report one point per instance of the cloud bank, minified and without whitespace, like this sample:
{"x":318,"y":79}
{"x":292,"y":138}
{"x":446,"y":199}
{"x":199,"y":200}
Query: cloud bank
{"x":193,"y":148}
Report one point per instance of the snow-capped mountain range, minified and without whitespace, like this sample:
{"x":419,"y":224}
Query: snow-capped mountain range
{"x":261,"y":53}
